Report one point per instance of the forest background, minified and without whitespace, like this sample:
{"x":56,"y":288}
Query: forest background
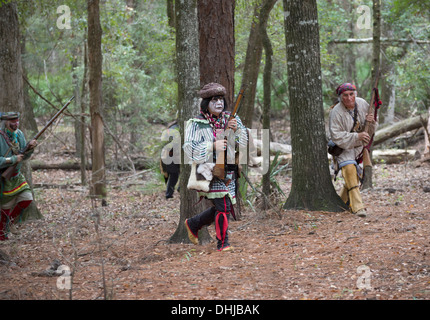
{"x":139,"y":79}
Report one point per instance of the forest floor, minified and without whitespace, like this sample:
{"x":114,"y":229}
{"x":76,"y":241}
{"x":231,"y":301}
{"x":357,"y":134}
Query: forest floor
{"x":121,"y":251}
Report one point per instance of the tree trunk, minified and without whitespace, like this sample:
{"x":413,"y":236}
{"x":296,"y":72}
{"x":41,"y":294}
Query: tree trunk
{"x":427,"y":136}
{"x":389,"y":118}
{"x":28,"y":118}
{"x":312,"y":188}
{"x":267,"y":83}
{"x":349,"y":56}
{"x":217,"y":45}
{"x":83,"y":106}
{"x":187,"y":56}
{"x":11,"y":93}
{"x":251,"y":69}
{"x":12,"y":84}
{"x":171,"y":13}
{"x":253,"y":58}
{"x":376,"y":61}
{"x":95,"y":59}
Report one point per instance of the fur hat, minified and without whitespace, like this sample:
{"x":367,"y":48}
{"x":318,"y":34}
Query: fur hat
{"x":212,"y":89}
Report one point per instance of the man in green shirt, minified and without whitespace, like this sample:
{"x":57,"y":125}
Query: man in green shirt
{"x":15,"y":194}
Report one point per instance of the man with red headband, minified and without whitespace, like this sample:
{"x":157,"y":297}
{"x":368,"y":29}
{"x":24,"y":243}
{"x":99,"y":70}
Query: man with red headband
{"x":346,"y":124}
{"x":15,"y":193}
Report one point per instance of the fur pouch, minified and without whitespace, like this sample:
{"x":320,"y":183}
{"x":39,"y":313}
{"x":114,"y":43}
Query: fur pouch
{"x":200,"y":176}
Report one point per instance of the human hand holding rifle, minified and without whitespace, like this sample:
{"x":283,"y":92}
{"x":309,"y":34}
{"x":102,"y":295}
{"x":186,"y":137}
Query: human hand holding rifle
{"x":10,"y":171}
{"x":221,"y":145}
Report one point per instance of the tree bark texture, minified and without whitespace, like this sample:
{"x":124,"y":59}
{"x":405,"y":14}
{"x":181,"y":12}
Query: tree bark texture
{"x":376,"y":48}
{"x":83,"y":107}
{"x":253,"y":59}
{"x":312,"y":188}
{"x":95,"y":61}
{"x":217,"y":45}
{"x":12,"y":83}
{"x":427,"y":136}
{"x":171,"y":13}
{"x":187,"y":57}
{"x":376,"y":62}
{"x":267,"y":83}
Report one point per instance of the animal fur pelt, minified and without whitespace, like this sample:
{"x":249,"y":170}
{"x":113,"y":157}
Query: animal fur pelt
{"x":201,"y":176}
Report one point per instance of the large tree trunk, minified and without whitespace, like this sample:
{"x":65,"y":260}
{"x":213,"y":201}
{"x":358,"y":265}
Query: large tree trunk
{"x":12,"y":84}
{"x":187,"y":56}
{"x":312,"y":188}
{"x":11,"y":93}
{"x":95,"y":59}
{"x":217,"y":45}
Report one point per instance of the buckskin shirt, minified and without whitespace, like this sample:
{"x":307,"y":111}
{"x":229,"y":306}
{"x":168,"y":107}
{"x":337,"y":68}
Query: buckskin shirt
{"x":341,"y":121}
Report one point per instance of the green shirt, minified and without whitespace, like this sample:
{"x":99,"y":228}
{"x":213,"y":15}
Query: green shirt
{"x":17,"y":183}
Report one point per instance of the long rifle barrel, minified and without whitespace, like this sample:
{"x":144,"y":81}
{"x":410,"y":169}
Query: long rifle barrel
{"x":10,"y":171}
{"x":50,"y":122}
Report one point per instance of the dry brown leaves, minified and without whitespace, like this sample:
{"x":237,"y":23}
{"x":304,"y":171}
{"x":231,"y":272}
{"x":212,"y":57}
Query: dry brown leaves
{"x":303,"y":255}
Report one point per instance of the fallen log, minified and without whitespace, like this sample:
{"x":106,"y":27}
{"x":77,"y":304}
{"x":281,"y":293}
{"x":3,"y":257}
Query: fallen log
{"x":383,"y":40}
{"x":399,"y":128}
{"x":391,"y":156}
{"x":139,"y":164}
{"x":283,"y":159}
{"x":67,"y":165}
{"x":274,"y":147}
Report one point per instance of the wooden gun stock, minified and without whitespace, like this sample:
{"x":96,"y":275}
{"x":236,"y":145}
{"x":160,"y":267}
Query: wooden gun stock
{"x":219,"y":169}
{"x":10,"y":171}
{"x":371,"y":110}
{"x":374,"y":102}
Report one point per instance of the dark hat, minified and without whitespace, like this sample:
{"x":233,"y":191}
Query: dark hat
{"x":211,"y":90}
{"x":9,"y":115}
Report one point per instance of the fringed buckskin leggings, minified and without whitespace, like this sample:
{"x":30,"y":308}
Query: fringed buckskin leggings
{"x":351,"y":189}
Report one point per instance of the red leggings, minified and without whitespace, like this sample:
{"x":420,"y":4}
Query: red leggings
{"x":7,"y":217}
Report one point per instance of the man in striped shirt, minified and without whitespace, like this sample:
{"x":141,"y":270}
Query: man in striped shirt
{"x":204,"y":139}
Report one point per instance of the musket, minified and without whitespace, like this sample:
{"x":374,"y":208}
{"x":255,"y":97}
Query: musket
{"x":219,"y":169}
{"x":374,"y":105}
{"x":10,"y":171}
